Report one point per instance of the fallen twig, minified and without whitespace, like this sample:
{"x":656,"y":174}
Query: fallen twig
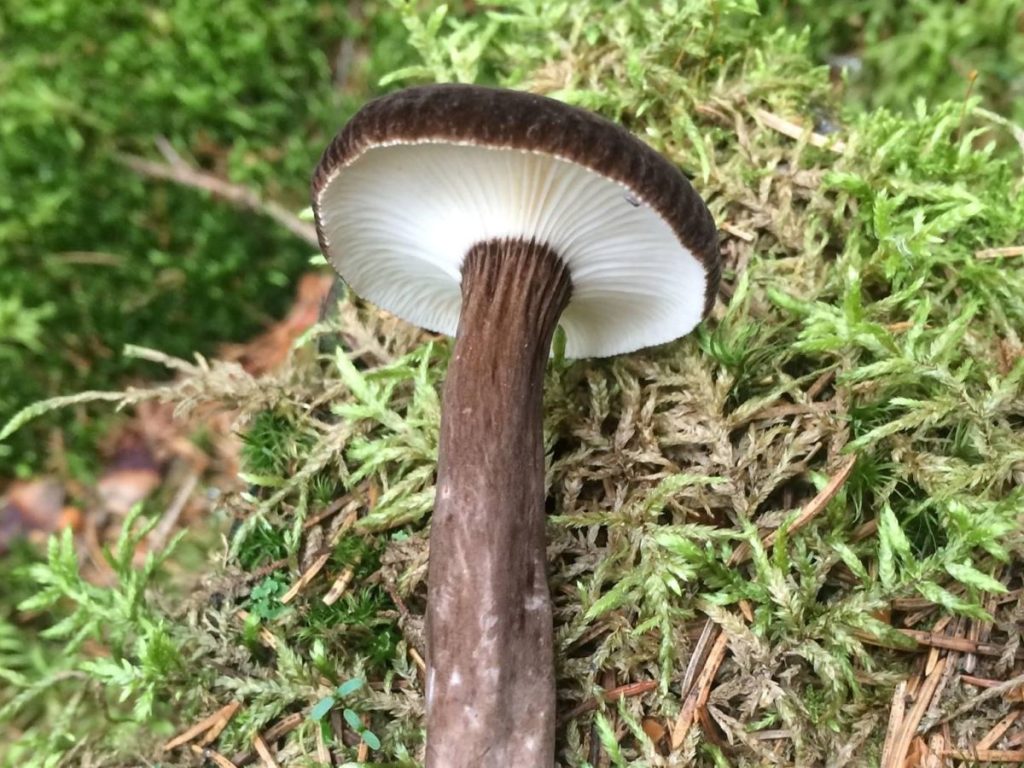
{"x":896,"y":713}
{"x":180,"y":172}
{"x":421,"y":665}
{"x":995,"y":253}
{"x":266,"y":636}
{"x":980,"y":682}
{"x":897,"y":753}
{"x":959,"y":644}
{"x":812,"y":509}
{"x":283,"y":726}
{"x":609,"y":696}
{"x":699,"y":656}
{"x":214,"y":724}
{"x":986,"y":755}
{"x":331,"y":509}
{"x":798,"y":132}
{"x":323,"y":754}
{"x":996,"y":731}
{"x":264,"y":752}
{"x":214,"y":755}
{"x":320,"y":561}
{"x":735,"y":231}
{"x":341,"y":583}
{"x":697,"y":696}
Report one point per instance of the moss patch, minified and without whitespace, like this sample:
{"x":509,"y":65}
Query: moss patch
{"x":864,"y":362}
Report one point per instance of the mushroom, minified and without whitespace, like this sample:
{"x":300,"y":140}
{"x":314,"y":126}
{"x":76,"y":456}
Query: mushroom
{"x":495,"y":216}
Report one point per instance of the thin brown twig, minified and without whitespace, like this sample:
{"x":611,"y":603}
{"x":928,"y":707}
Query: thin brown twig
{"x":223,"y":718}
{"x":341,"y":583}
{"x":907,"y":729}
{"x":932,"y":713}
{"x":959,"y":644}
{"x":698,"y":695}
{"x":282,"y":727}
{"x":980,"y":682}
{"x":213,"y":723}
{"x":772,"y":734}
{"x":986,"y":755}
{"x":211,"y":754}
{"x":180,"y":172}
{"x":791,"y":409}
{"x":264,"y":752}
{"x":996,"y":731}
{"x":811,"y":510}
{"x":612,"y":694}
{"x":266,"y":636}
{"x":735,"y":231}
{"x":799,"y":132}
{"x":323,"y":754}
{"x":264,"y":570}
{"x":320,"y":561}
{"x":939,"y":628}
{"x":864,"y":530}
{"x":698,"y":658}
{"x":820,"y":383}
{"x":996,"y":253}
{"x":331,"y":509}
{"x":421,"y":665}
{"x":896,"y":714}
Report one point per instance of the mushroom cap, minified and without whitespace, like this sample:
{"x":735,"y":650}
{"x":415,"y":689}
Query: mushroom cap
{"x":418,"y":177}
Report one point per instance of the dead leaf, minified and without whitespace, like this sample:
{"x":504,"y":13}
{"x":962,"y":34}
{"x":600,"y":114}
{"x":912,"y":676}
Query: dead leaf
{"x":34,"y":509}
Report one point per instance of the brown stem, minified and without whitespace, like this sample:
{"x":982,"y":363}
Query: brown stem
{"x":490,"y":670}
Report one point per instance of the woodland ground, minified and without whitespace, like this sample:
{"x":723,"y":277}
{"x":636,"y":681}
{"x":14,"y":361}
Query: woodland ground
{"x":794,"y":538}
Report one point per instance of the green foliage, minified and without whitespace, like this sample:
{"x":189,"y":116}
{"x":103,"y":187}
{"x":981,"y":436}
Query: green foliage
{"x":247,"y":91}
{"x":904,"y":50}
{"x":21,"y":326}
{"x":141,"y":658}
{"x":265,"y":597}
{"x":398,"y":443}
{"x":326,"y":704}
{"x":271,"y":446}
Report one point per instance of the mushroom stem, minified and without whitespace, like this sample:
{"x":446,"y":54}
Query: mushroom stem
{"x":490,"y":665}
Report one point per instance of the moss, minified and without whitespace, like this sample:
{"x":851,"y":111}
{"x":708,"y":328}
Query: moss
{"x":864,"y":335}
{"x":891,"y":54}
{"x":92,"y":256}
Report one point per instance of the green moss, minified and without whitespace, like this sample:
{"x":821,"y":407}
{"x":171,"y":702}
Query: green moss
{"x":93,"y":257}
{"x":894,"y":53}
{"x":858,"y":323}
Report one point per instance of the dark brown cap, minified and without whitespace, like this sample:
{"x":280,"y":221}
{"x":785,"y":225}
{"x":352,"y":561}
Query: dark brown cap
{"x":418,"y":177}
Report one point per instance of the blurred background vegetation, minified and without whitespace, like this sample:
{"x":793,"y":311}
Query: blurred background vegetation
{"x":897,"y":52}
{"x":92,"y":256}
